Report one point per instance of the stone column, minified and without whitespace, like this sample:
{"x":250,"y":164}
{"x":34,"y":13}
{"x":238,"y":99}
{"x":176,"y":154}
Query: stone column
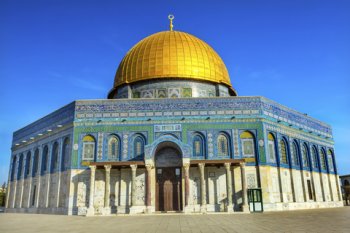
{"x":13,"y":199}
{"x":245,"y":207}
{"x":148,"y":188}
{"x":23,"y":165}
{"x":58,"y":171}
{"x":48,"y":176}
{"x":203,"y":188}
{"x":30,"y":178}
{"x":38,"y":175}
{"x":229,"y":187}
{"x":91,"y":209}
{"x":187,"y":183}
{"x":133,"y":184}
{"x":107,"y":185}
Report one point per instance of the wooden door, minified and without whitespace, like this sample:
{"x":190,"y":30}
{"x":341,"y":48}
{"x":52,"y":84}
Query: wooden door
{"x":168,"y":189}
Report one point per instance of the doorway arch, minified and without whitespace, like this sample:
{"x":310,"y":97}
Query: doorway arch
{"x":168,"y":163}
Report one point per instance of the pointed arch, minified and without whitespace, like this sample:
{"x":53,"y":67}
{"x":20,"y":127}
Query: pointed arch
{"x":113,"y":147}
{"x":248,"y":144}
{"x":65,"y":154}
{"x":54,"y":157}
{"x":271,"y":144}
{"x":284,"y":151}
{"x":138,"y":147}
{"x":295,"y":153}
{"x":20,"y":168}
{"x":28,"y":162}
{"x":14,"y":163}
{"x":198,"y":145}
{"x":305,"y":156}
{"x":89,"y":145}
{"x":223,"y":146}
{"x":323,"y":159}
{"x":35,"y":162}
{"x":44,"y":159}
{"x":314,"y":157}
{"x":330,"y":160}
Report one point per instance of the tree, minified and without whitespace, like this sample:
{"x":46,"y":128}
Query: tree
{"x":3,"y":194}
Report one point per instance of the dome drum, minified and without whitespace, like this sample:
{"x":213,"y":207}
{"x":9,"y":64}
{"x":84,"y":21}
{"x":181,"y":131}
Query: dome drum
{"x":170,"y":88}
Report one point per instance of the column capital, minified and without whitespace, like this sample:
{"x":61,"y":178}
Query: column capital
{"x":108,"y":167}
{"x":133,"y":167}
{"x":242,"y":164}
{"x":227,"y":166}
{"x":149,"y":167}
{"x":186,"y":166}
{"x":92,"y":168}
{"x":201,"y":165}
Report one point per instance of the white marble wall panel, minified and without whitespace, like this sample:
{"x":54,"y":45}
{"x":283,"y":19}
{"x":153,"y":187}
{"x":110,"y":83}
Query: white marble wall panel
{"x":53,"y":190}
{"x":216,"y":187}
{"x":317,"y":185}
{"x":298,"y":187}
{"x":194,"y":194}
{"x":237,"y":181}
{"x":125,"y":187}
{"x":286,"y":185}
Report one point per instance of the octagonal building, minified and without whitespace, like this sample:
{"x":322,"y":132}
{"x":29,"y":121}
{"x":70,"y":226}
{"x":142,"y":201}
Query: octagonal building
{"x":172,"y":136}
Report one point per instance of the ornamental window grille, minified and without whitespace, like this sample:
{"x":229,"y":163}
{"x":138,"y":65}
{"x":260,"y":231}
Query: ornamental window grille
{"x":314,"y":157}
{"x":35,"y":162}
{"x":330,"y":160}
{"x":139,"y":146}
{"x":222,"y":144}
{"x":54,"y":157}
{"x":44,"y":159}
{"x":271,"y":147}
{"x":198,"y":146}
{"x":27,"y":167}
{"x":19,"y":171}
{"x":113,"y":148}
{"x":283,"y":145}
{"x":323,"y":160}
{"x":14,"y":163}
{"x":305,"y":156}
{"x":65,"y":154}
{"x":295,"y":154}
{"x":248,"y":144}
{"x":88,"y":148}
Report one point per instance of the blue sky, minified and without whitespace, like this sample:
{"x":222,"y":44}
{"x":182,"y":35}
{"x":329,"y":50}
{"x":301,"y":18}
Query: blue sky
{"x":294,"y":52}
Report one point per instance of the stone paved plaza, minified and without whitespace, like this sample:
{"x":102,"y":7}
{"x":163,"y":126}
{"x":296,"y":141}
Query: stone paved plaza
{"x":320,"y":220}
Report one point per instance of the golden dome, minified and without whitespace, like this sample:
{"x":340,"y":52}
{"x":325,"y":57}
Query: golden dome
{"x":172,"y":54}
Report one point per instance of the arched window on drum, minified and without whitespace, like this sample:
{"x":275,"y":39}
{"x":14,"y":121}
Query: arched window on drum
{"x":271,"y":143}
{"x":198,"y":146}
{"x":89,"y":147}
{"x":223,"y":145}
{"x":248,"y":144}
{"x":113,"y":147}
